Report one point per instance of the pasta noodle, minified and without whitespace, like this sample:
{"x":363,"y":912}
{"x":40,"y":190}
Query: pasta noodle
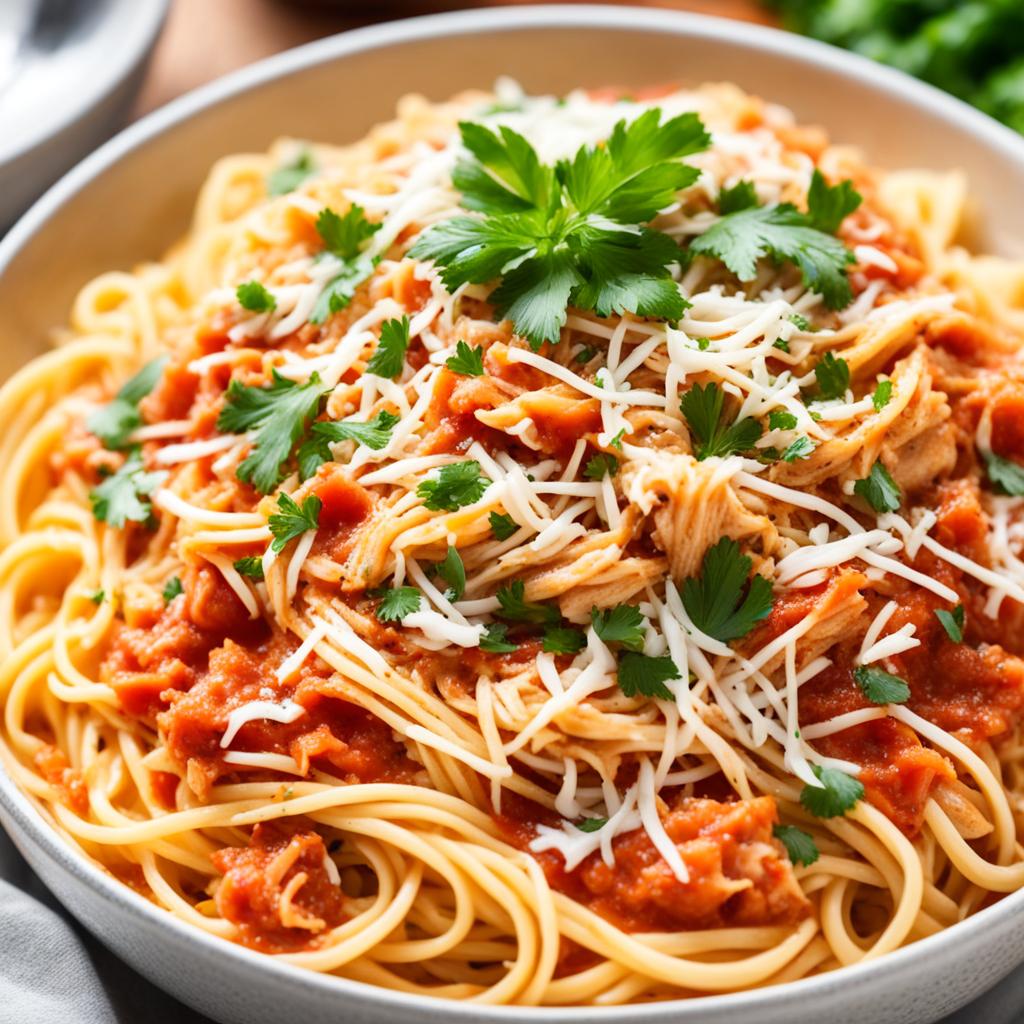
{"x":653,"y":655}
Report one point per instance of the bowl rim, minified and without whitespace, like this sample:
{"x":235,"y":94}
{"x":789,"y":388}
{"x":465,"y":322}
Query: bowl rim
{"x":31,"y":823}
{"x":144,"y":19}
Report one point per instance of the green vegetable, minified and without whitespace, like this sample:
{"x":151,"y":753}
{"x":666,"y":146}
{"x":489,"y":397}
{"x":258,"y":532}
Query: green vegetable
{"x":837,"y":794}
{"x":494,"y":640}
{"x":600,"y":466}
{"x":832,"y":375}
{"x":702,"y":408}
{"x":290,"y":176}
{"x":397,"y":603}
{"x":1006,"y":476}
{"x":502,"y":526}
{"x":801,"y":448}
{"x":563,"y":640}
{"x":641,"y":675}
{"x":623,"y":624}
{"x":344,"y":238}
{"x":800,"y":845}
{"x":467,"y":361}
{"x":453,"y":572}
{"x":571,"y":234}
{"x":516,"y":608}
{"x":747,"y":233}
{"x":881,"y":687}
{"x":779,"y":419}
{"x":715,"y":600}
{"x":292,"y":520}
{"x":453,"y":486}
{"x":172,"y":588}
{"x":879,"y":489}
{"x":254,"y":297}
{"x":114,"y":422}
{"x":952,"y":622}
{"x":389,"y":358}
{"x":316,"y":449}
{"x":280,"y":413}
{"x":251,"y":567}
{"x":592,"y":824}
{"x":882,"y":395}
{"x":123,"y":495}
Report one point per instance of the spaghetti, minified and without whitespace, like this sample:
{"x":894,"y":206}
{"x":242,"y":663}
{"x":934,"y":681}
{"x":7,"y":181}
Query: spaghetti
{"x":572,"y":557}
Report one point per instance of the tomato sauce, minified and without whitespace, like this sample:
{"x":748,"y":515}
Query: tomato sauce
{"x":346,"y":506}
{"x":739,"y":875}
{"x":53,"y":765}
{"x":277,"y":890}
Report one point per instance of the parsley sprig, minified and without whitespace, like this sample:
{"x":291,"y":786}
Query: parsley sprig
{"x":715,"y":600}
{"x":1005,"y":475}
{"x":344,"y":238}
{"x":881,"y":687}
{"x":291,"y":175}
{"x":398,"y":602}
{"x":114,"y":422}
{"x":316,"y":449}
{"x":800,"y":845}
{"x":124,"y":496}
{"x":836,"y":795}
{"x":293,"y":520}
{"x":389,"y":356}
{"x":280,"y":413}
{"x":453,"y":486}
{"x":703,"y":407}
{"x":569,"y":234}
{"x":748,"y":232}
{"x":879,"y":489}
{"x":467,"y":361}
{"x":952,"y":622}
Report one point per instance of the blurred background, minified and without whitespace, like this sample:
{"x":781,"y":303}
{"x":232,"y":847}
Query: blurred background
{"x":73,"y":71}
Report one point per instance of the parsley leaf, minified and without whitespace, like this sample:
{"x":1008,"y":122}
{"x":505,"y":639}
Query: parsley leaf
{"x":616,"y":441}
{"x":280,"y":413}
{"x":800,"y":845}
{"x":879,"y":489}
{"x":780,"y":419}
{"x":494,"y":640}
{"x":172,"y":588}
{"x":114,"y":422}
{"x":591,"y":824}
{"x":293,"y":521}
{"x":502,"y":526}
{"x":1005,"y":475}
{"x":881,"y":687}
{"x":800,"y":322}
{"x":97,"y":597}
{"x":316,"y":450}
{"x":800,"y":448}
{"x":290,"y":176}
{"x":516,"y":608}
{"x":642,"y":675}
{"x":952,"y":622}
{"x":623,"y":624}
{"x":882,"y":395}
{"x":122,"y":495}
{"x":397,"y":603}
{"x":747,"y":233}
{"x":702,"y":407}
{"x":584,"y":355}
{"x":453,"y":572}
{"x":251,"y":567}
{"x":343,"y":238}
{"x":389,"y":358}
{"x":714,"y":600}
{"x":600,"y":466}
{"x":832,"y":375}
{"x":569,"y":234}
{"x":563,"y":640}
{"x":467,"y":361}
{"x":837,"y":794}
{"x":453,"y":486}
{"x":254,"y":297}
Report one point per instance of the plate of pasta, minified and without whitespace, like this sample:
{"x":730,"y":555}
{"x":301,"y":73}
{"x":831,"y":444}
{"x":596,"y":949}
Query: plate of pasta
{"x":555,"y":549}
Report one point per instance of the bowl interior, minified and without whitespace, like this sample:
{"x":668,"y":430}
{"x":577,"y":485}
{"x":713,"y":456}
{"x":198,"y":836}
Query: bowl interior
{"x":113,"y":216}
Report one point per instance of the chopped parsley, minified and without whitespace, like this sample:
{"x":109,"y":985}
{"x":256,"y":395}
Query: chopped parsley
{"x":316,"y":449}
{"x":952,"y":622}
{"x":453,"y":486}
{"x":702,"y":344}
{"x":800,"y":448}
{"x":591,"y":824}
{"x":467,"y":361}
{"x":623,"y":624}
{"x":280,"y":413}
{"x":453,"y":572}
{"x":343,"y":238}
{"x":715,"y":600}
{"x":398,"y":602}
{"x":801,"y":323}
{"x":748,"y":232}
{"x":800,"y":845}
{"x":172,"y":588}
{"x":781,"y":344}
{"x":250,"y":566}
{"x":562,"y":640}
{"x":832,"y":375}
{"x":879,"y":489}
{"x":600,"y":466}
{"x":644,"y":676}
{"x":123,"y":496}
{"x":780,"y":419}
{"x":616,"y":441}
{"x":389,"y":357}
{"x":97,"y":597}
{"x":515,"y":607}
{"x":1006,"y":476}
{"x":585,"y":354}
{"x":881,"y":687}
{"x":702,"y":408}
{"x":502,"y":526}
{"x":255,"y":298}
{"x":290,"y":176}
{"x":114,"y":422}
{"x":882,"y":395}
{"x":836,"y":795}
{"x":571,"y":234}
{"x":494,"y":640}
{"x":292,"y":520}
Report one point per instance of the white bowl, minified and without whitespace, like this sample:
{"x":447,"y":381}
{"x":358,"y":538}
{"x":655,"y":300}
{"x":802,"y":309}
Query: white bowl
{"x":133,"y":197}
